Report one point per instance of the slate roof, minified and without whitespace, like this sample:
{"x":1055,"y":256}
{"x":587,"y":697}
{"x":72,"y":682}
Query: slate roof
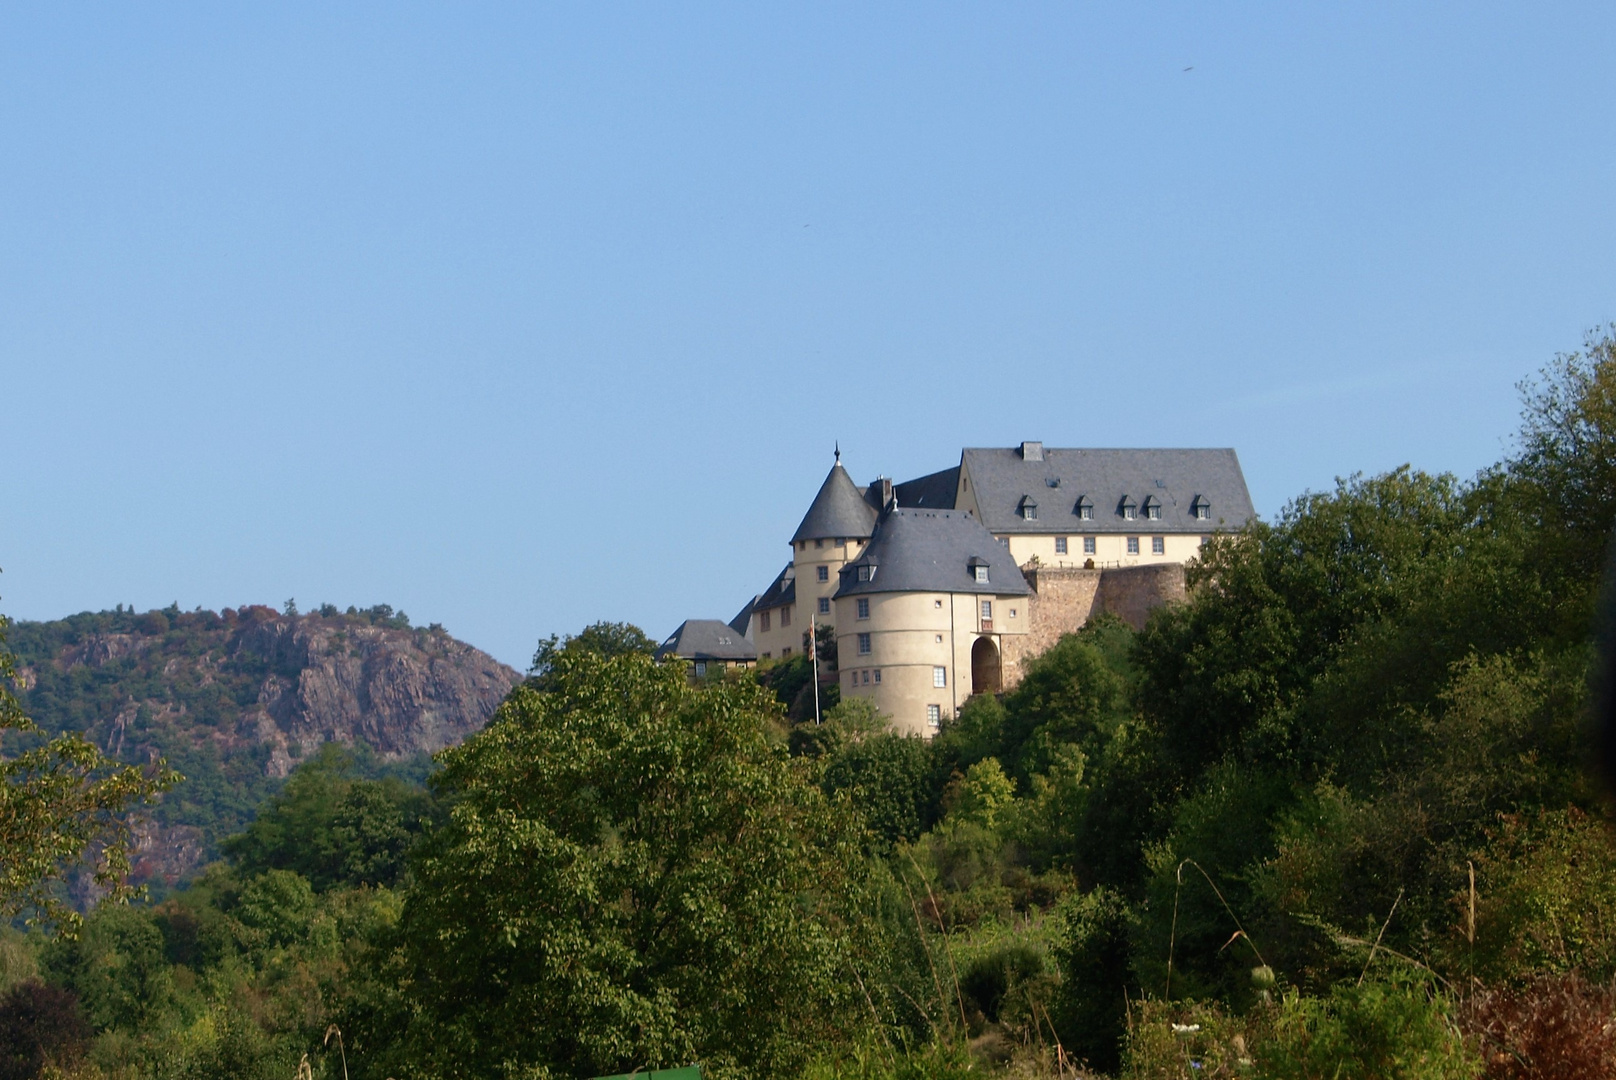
{"x":707,"y":639}
{"x":1001,"y":480}
{"x":742,"y":622}
{"x":915,"y":550}
{"x":783,"y":590}
{"x":839,"y":510}
{"x":934,"y":491}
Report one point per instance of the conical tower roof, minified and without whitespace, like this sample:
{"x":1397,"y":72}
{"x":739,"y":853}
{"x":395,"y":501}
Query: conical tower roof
{"x":838,"y":510}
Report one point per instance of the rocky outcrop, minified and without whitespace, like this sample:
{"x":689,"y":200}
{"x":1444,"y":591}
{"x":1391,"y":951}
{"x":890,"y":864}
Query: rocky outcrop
{"x":236,"y":699}
{"x":401,"y":693}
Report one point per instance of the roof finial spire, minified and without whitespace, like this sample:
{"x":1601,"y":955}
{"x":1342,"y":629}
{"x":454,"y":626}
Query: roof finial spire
{"x":838,"y":451}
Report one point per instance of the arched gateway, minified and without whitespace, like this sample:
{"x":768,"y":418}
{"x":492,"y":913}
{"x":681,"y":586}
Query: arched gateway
{"x":986,"y":674}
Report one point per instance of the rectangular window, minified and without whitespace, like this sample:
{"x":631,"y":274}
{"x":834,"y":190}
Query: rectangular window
{"x":866,"y":676}
{"x":823,"y":573}
{"x":939,"y":676}
{"x":936,"y":603}
{"x":768,"y":656}
{"x":1029,"y":513}
{"x":1129,"y":513}
{"x":987,"y":609}
{"x":864,"y":644}
{"x":1158,"y":545}
{"x":824,"y":605}
{"x":765,"y":620}
{"x":701,"y":668}
{"x":1088,"y":545}
{"x":863,"y":607}
{"x":852,"y":678}
{"x":934,"y":716}
{"x":939,"y":639}
{"x":981,"y":575}
{"x":1133,"y":545}
{"x":878,"y":676}
{"x":1203,"y":513}
{"x":1086,"y":513}
{"x":865,"y":573}
{"x":1153,"y":513}
{"x":785,"y":652}
{"x":785,"y":616}
{"x":819,"y":543}
{"x":1060,"y":545}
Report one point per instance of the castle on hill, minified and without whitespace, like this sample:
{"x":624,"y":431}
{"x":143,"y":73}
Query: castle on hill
{"x":945,"y":586}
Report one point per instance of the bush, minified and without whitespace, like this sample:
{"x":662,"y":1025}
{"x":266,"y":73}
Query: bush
{"x":1557,"y":1028}
{"x":1092,"y":953}
{"x":40,"y":1025}
{"x":1392,"y":1029}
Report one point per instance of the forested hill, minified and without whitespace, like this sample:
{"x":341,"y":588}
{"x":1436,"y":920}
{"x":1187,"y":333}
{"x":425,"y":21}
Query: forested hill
{"x":235,"y":699}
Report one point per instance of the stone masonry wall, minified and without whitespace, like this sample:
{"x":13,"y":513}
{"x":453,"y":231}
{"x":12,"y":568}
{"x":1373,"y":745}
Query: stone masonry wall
{"x":1065,"y":598}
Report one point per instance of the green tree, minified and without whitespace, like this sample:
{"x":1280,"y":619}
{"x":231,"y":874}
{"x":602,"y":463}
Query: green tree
{"x":633,"y":874}
{"x":605,"y":639}
{"x":63,"y":805}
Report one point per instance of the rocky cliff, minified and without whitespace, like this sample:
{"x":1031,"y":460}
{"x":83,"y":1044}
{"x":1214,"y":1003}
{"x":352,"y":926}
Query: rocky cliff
{"x":235,"y":699}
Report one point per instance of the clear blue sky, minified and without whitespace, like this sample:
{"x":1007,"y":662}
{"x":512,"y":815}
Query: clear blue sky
{"x":518,"y":318}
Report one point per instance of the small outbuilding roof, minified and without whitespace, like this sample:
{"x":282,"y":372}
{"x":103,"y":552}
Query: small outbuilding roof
{"x":839,"y":510}
{"x":707,"y":639}
{"x":916,"y":550}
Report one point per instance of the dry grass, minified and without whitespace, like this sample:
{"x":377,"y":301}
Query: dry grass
{"x":1555,"y":1028}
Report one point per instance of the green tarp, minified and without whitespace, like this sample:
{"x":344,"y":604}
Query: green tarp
{"x":689,"y":1072}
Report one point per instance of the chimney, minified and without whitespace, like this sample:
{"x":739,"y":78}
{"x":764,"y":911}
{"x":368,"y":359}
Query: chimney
{"x":1032,"y":451}
{"x":879,"y":493}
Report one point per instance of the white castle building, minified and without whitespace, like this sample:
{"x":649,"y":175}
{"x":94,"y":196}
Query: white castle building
{"x":942,"y":587}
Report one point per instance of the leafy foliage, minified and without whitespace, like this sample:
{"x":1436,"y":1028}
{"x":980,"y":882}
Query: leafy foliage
{"x":631,"y":874}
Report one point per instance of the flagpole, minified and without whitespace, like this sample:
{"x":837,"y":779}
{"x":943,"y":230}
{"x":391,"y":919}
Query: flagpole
{"x":813,"y":652}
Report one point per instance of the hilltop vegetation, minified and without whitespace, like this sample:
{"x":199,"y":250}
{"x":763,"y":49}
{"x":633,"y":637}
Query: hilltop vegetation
{"x":232,"y":700}
{"x":1328,"y":818}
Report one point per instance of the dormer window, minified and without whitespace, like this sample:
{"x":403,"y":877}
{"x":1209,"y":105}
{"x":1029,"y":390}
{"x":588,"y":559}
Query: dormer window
{"x":1201,"y":508}
{"x":866,"y":572}
{"x":1129,"y":508}
{"x":1084,"y":509}
{"x":1152,"y":508}
{"x":979,"y":571}
{"x":1028,"y":509}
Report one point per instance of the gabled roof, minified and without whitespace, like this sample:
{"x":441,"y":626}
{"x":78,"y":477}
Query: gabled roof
{"x":1001,"y":478}
{"x":932,"y":551}
{"x":742,"y":622}
{"x":706,"y":639}
{"x":934,"y":491}
{"x":782,"y":590}
{"x":839,"y":510}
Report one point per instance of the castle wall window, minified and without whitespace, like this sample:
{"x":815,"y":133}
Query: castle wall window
{"x":1133,"y":545}
{"x":823,"y":573}
{"x":1088,"y":545}
{"x":934,"y":716}
{"x":936,"y":603}
{"x":878,"y":676}
{"x":785,"y":652}
{"x":819,"y":543}
{"x":939,"y":677}
{"x":864,"y":644}
{"x":866,"y":676}
{"x":939,"y":639}
{"x":1158,"y":545}
{"x":987,"y":609}
{"x":763,"y":620}
{"x":785,"y":616}
{"x":824,"y":605}
{"x":1060,"y":545}
{"x":863,"y":607}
